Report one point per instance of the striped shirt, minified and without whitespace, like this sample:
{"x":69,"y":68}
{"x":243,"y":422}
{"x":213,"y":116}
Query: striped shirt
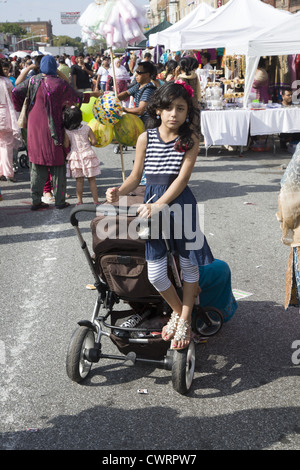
{"x":143,"y":93}
{"x":161,"y":157}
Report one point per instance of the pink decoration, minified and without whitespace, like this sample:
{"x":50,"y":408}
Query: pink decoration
{"x":120,"y":22}
{"x":188,"y":88}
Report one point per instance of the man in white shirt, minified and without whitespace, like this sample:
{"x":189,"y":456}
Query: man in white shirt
{"x":102,"y":74}
{"x":205,"y":59}
{"x":67,"y":60}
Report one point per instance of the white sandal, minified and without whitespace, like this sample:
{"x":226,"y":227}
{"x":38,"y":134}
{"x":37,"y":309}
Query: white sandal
{"x":181,"y":332}
{"x":171,"y":325}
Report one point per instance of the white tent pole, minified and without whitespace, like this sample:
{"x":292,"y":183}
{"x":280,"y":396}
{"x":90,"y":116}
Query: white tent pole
{"x":251,"y":66}
{"x":116,"y":95}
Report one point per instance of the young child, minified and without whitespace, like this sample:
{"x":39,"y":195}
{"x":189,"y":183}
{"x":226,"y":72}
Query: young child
{"x":82,"y":158}
{"x":168,"y":151}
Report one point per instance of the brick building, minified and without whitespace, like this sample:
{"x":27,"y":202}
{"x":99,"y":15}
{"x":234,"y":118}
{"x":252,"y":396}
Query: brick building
{"x":37,"y":33}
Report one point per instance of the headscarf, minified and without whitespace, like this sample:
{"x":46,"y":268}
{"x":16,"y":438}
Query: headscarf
{"x":120,"y":72}
{"x":48,"y":65}
{"x":5,"y":84}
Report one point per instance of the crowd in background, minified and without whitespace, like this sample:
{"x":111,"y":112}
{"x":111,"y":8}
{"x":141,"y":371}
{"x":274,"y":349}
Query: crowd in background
{"x":93,"y":73}
{"x":129,"y":72}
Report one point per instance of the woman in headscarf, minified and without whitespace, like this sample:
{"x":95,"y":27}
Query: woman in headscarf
{"x":48,"y":94}
{"x":9,"y":131}
{"x":122,"y":77}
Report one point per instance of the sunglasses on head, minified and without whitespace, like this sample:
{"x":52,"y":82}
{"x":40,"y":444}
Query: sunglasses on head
{"x":139,"y":72}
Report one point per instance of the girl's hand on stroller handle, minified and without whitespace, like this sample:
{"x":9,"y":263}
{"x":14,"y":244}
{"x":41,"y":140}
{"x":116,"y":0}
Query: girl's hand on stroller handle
{"x":112,"y":194}
{"x":145,"y":211}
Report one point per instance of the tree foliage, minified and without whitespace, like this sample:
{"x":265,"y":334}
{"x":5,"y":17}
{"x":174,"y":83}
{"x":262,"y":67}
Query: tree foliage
{"x":12,"y":28}
{"x":67,"y":41}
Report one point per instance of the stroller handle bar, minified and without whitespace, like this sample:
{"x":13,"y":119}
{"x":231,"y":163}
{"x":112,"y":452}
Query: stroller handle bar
{"x":101,"y":209}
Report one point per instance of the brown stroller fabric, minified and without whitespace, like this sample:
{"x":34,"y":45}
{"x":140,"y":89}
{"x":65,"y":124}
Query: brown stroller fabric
{"x":155,"y":348}
{"x":127,"y":275}
{"x":120,"y":262}
{"x":112,"y":242}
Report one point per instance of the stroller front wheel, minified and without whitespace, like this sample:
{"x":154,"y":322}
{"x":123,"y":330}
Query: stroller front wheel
{"x":23,"y":160}
{"x":183,"y":368}
{"x":77,"y":365}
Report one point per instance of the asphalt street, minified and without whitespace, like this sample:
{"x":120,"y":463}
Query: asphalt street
{"x":245,"y":392}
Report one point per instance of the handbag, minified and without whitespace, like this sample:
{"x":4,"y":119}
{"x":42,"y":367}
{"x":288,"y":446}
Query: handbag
{"x":22,"y":120}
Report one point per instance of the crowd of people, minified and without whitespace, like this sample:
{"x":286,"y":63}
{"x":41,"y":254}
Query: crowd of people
{"x":136,"y":79}
{"x":136,"y":76}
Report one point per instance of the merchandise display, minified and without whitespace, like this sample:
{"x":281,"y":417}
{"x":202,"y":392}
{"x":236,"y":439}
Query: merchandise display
{"x":103,"y":132}
{"x":87,"y":110}
{"x":120,"y":22}
{"x":127,"y":129}
{"x":107,"y":108}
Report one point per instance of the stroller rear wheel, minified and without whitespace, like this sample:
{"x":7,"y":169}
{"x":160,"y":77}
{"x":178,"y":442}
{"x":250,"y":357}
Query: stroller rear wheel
{"x":208,"y":322}
{"x":78,"y":367}
{"x":183,"y":368}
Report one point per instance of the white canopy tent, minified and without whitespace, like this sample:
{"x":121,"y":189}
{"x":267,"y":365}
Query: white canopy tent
{"x":195,"y":17}
{"x":233,"y":23}
{"x":230,"y":26}
{"x":282,"y":39}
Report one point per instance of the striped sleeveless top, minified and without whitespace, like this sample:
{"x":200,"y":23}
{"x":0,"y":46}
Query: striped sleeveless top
{"x":161,"y":157}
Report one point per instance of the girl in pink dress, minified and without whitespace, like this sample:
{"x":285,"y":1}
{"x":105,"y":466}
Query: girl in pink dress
{"x":82,"y":159}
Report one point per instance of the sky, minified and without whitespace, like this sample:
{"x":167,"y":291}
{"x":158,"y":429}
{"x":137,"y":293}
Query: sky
{"x":45,"y":10}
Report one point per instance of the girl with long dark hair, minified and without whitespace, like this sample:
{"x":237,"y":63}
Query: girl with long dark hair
{"x":168,"y":153}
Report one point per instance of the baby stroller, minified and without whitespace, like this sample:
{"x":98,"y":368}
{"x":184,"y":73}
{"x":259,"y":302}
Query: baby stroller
{"x":120,"y":272}
{"x":21,"y":160}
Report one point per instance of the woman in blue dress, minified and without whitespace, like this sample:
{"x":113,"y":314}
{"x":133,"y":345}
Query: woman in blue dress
{"x":167,"y":152}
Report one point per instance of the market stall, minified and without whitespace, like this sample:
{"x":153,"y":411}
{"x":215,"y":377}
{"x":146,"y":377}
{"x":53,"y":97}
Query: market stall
{"x":228,"y":27}
{"x":233,"y":127}
{"x":274,"y":40}
{"x":282,"y":39}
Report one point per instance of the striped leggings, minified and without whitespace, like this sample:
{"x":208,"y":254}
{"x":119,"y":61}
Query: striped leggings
{"x":158,"y":272}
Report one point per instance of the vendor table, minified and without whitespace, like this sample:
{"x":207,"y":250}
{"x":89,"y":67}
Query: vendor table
{"x":233,"y":126}
{"x":225,"y":127}
{"x":275,"y":121}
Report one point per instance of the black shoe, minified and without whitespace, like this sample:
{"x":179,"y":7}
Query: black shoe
{"x":132,"y":322}
{"x":37,"y":207}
